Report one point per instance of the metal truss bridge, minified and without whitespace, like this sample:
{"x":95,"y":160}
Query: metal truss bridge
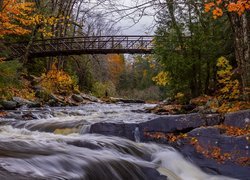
{"x":84,"y":45}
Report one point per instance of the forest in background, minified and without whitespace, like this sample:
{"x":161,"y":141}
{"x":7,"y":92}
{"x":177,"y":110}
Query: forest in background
{"x":201,"y":50}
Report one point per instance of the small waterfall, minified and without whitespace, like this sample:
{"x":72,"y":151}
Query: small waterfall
{"x":177,"y":167}
{"x":137,"y":135}
{"x":85,"y":129}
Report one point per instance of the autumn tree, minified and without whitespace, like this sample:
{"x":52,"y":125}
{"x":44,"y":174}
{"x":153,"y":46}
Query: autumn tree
{"x":15,"y":17}
{"x":238,"y":13}
{"x":116,"y":66}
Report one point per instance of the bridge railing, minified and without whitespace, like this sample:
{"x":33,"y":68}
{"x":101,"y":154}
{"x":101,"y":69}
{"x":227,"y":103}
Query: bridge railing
{"x":86,"y":45}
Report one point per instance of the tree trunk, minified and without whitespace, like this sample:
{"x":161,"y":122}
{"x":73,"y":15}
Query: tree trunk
{"x":1,"y":5}
{"x":240,"y":25}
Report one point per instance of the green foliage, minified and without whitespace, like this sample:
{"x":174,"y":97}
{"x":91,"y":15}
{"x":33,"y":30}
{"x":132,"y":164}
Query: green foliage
{"x":8,"y":74}
{"x":36,"y":67}
{"x":101,"y":89}
{"x":11,"y":82}
{"x":188,"y":48}
{"x":8,"y":78}
{"x":152,"y":93}
{"x":136,"y":81}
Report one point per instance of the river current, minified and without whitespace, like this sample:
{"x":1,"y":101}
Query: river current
{"x":55,"y":143}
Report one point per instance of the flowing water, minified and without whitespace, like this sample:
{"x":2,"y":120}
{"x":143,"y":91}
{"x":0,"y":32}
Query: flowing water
{"x":54,"y":143}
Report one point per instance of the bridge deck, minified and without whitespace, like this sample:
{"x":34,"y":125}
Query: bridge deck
{"x":85,"y":45}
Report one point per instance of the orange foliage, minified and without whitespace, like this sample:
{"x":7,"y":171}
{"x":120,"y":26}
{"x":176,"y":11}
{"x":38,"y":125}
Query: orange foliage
{"x":212,"y":152}
{"x":14,"y":17}
{"x":234,"y":131}
{"x":116,"y":66}
{"x":236,"y":6}
{"x":245,"y":161}
{"x":170,"y":137}
{"x":18,"y":18}
{"x":3,"y":114}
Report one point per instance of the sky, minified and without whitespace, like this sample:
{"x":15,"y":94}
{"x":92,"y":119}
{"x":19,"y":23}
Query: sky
{"x":127,"y":26}
{"x":144,"y":27}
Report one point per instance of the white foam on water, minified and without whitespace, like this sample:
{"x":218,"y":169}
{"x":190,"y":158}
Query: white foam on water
{"x":184,"y":169}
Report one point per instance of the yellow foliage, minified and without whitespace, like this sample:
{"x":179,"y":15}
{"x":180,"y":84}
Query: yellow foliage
{"x":228,"y":92}
{"x":162,"y":79}
{"x":58,"y":81}
{"x":229,"y":88}
{"x":179,"y":95}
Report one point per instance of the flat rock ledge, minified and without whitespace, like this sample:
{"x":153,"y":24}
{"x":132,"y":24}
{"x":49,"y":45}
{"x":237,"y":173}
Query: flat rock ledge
{"x":199,"y":137}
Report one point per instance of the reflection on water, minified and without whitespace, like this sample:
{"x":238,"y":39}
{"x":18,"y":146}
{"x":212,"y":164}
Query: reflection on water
{"x":58,"y":146}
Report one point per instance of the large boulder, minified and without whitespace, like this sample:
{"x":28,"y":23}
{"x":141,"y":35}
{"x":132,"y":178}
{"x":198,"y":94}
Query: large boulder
{"x":239,"y":119}
{"x":166,"y":124}
{"x":9,"y":105}
{"x":125,"y":130}
{"x":78,"y":98}
{"x":218,"y":153}
{"x":173,"y":123}
{"x":21,"y":101}
{"x":205,"y":144}
{"x":89,"y":97}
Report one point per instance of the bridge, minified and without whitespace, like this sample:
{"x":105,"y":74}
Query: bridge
{"x":84,"y":45}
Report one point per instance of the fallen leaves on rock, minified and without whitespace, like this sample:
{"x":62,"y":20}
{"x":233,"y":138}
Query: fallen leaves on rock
{"x":234,"y":131}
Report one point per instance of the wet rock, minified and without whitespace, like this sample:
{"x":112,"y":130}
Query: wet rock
{"x":89,"y":97}
{"x":21,"y":101}
{"x":53,"y":103}
{"x":29,"y":116}
{"x":239,"y":119}
{"x":77,"y":98}
{"x":188,"y":107}
{"x":166,"y":124}
{"x":212,"y":138}
{"x":35,"y":104}
{"x":84,"y":144}
{"x":9,"y":105}
{"x":114,"y":129}
{"x":1,"y":107}
{"x":174,"y":123}
{"x":214,"y":167}
{"x":132,"y":101}
{"x":212,"y":119}
{"x":115,"y":100}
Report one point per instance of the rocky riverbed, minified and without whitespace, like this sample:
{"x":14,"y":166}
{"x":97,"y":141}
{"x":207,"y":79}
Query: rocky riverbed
{"x":218,"y":144}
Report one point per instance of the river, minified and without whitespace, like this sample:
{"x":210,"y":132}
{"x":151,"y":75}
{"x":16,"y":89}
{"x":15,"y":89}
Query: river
{"x":55,"y":143}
